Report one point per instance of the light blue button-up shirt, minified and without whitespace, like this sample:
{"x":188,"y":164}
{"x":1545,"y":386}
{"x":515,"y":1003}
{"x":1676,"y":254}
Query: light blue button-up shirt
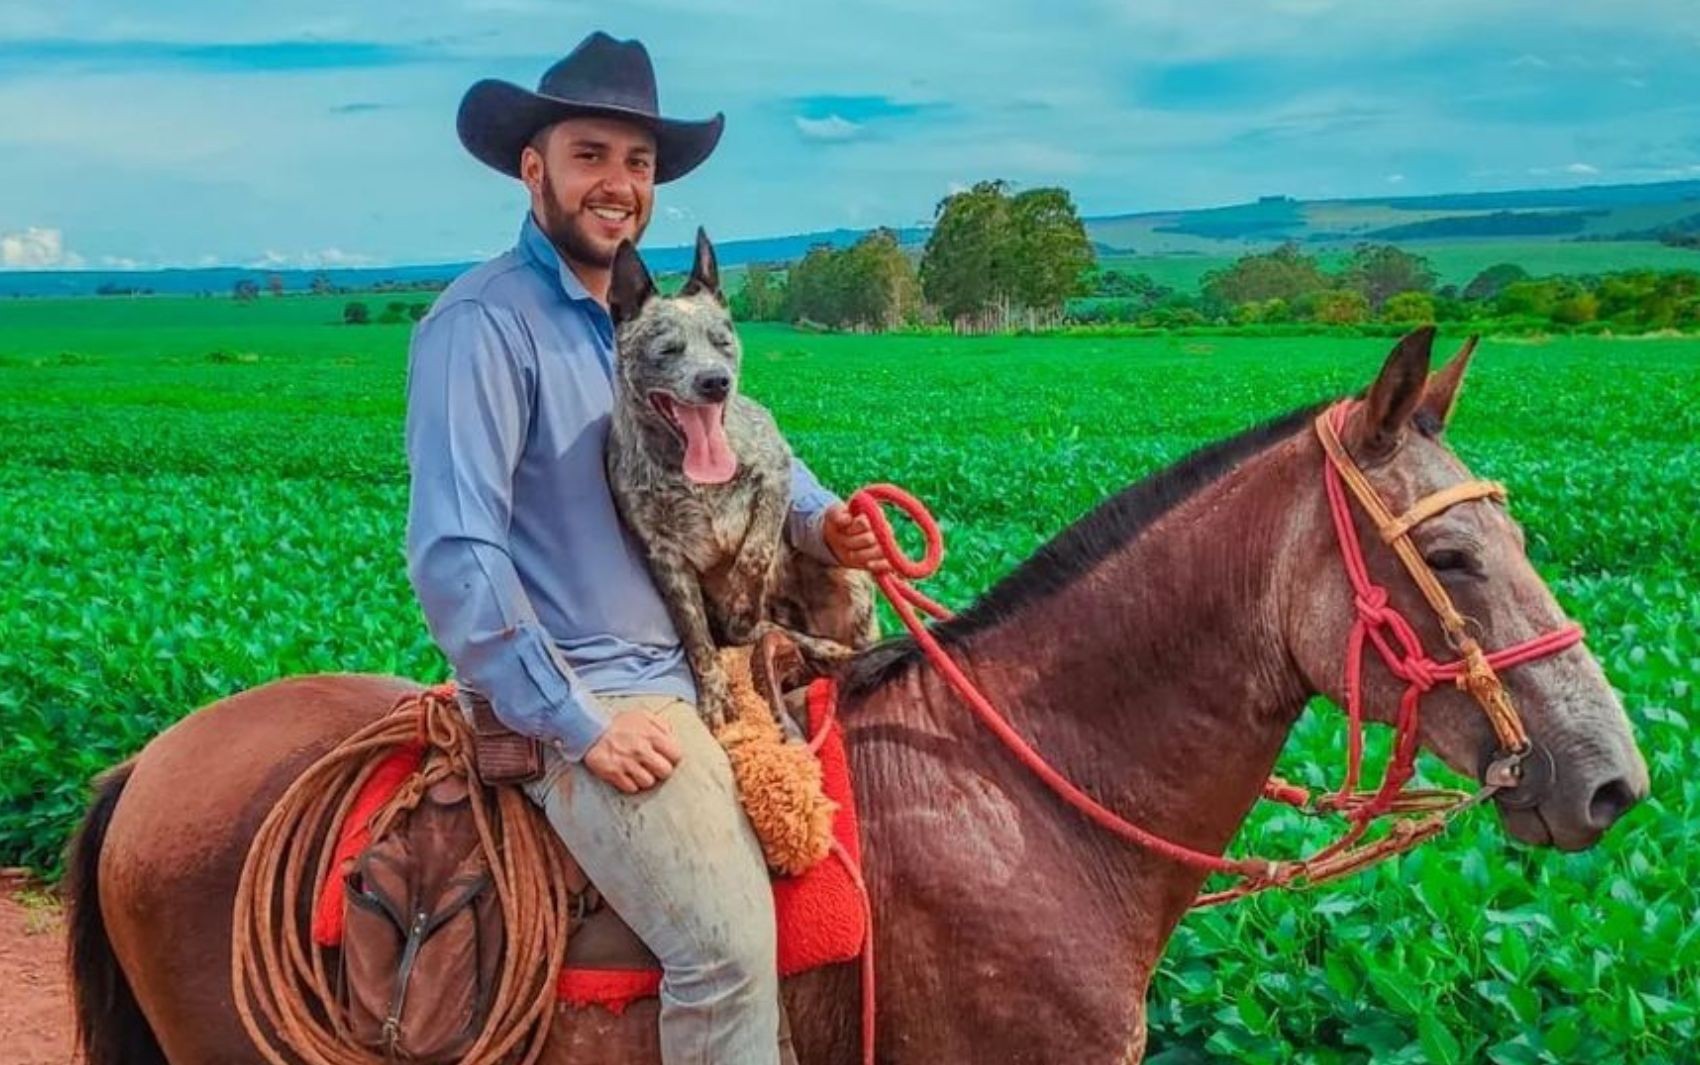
{"x":536,"y":593}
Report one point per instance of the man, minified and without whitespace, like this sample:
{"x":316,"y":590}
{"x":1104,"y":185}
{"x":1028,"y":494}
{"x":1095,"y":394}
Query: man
{"x":537,"y":595}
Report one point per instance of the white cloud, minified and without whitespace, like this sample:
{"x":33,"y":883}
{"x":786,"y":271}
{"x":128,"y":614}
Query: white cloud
{"x":830,"y":128}
{"x":677,"y":214}
{"x":276,"y":260}
{"x":36,"y":248}
{"x":1395,"y":179}
{"x":1581,"y":168}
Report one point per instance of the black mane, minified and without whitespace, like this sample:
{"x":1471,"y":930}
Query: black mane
{"x":1077,"y":549}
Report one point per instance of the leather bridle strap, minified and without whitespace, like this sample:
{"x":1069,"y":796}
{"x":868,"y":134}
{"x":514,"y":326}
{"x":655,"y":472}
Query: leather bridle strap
{"x":1443,"y":500}
{"x":1474,"y":670}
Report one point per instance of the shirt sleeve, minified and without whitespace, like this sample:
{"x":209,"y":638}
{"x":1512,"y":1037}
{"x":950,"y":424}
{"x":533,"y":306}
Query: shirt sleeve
{"x":469,"y":397}
{"x":805,"y":524}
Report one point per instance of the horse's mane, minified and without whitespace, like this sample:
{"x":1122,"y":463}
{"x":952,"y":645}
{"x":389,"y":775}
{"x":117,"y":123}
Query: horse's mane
{"x":1093,"y":537}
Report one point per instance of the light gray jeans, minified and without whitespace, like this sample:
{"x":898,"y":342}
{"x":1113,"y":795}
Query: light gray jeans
{"x":681,"y":865}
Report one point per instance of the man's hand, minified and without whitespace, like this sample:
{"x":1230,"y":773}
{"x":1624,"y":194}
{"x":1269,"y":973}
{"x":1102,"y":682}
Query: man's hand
{"x":636,"y":752}
{"x":851,"y":540}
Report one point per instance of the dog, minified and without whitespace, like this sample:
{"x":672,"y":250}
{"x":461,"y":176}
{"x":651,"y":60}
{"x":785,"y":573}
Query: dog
{"x":702,"y":477}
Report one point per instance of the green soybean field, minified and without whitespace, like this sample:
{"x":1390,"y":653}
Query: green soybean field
{"x":198,"y":496}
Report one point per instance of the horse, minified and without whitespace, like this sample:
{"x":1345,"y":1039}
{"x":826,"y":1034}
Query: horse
{"x":1157,"y":652}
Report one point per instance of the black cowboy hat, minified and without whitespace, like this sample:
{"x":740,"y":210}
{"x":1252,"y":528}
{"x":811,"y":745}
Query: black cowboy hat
{"x":601,"y":77}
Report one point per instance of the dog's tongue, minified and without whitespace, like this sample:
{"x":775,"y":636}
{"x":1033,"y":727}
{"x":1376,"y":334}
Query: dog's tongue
{"x":708,"y":456}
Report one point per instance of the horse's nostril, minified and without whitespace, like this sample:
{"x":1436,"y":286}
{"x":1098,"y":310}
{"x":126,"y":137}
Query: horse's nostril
{"x":1609,"y":803}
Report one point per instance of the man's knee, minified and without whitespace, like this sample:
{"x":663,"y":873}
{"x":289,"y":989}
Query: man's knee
{"x":738,"y":958}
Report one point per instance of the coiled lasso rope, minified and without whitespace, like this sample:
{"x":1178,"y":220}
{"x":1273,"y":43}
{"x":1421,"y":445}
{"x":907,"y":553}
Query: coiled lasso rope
{"x":274,"y":964}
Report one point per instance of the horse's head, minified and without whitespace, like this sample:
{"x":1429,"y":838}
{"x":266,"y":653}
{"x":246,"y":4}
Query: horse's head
{"x":1584,"y":769}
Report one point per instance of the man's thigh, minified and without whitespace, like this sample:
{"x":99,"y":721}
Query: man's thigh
{"x":679,"y":862}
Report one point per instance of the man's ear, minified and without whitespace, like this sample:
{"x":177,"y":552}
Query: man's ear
{"x":630,"y":286}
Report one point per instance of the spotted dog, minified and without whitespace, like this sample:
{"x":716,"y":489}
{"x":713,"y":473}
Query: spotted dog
{"x":702,"y":477}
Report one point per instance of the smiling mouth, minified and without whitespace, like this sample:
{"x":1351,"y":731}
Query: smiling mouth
{"x":611,"y":214}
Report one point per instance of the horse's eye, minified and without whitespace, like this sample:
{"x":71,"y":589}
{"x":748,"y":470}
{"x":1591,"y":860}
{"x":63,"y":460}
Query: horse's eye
{"x":1451,"y":560}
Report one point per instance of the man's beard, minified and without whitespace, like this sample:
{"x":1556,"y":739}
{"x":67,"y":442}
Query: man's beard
{"x":562,"y":229}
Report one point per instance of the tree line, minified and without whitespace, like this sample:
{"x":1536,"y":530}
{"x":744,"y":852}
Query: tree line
{"x":1385,"y":283}
{"x":994,"y":259}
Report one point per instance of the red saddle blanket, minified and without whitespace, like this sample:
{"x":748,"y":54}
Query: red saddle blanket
{"x":821,"y":916}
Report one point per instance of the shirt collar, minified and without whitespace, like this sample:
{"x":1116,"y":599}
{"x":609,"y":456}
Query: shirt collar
{"x":541,"y":251}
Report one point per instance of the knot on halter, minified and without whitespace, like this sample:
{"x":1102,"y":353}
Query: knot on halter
{"x":1371,"y":603}
{"x":1420,"y":672}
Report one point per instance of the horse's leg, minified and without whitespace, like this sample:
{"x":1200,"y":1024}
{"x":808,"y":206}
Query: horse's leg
{"x":178,"y":836}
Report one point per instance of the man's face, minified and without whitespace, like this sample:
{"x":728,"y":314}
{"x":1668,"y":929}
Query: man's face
{"x":593,"y":185}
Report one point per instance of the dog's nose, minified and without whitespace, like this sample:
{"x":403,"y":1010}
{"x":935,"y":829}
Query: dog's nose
{"x":712,"y":385}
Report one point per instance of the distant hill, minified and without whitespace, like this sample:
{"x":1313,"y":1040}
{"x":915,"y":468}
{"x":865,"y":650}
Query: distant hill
{"x":1591,"y":213}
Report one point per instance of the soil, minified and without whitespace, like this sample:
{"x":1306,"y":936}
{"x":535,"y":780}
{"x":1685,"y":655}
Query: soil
{"x":35,"y":1003}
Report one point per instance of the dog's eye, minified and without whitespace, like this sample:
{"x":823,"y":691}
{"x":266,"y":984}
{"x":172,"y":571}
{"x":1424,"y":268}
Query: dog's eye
{"x":676,"y":348}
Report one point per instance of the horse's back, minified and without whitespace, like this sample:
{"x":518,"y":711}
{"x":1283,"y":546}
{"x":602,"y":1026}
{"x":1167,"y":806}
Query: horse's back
{"x":180,"y":831}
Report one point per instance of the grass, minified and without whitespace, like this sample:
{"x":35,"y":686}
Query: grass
{"x":176,"y":526}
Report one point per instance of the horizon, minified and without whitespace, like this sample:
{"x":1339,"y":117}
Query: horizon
{"x":192,"y":135}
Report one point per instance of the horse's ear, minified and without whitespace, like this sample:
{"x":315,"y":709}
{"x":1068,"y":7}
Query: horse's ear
{"x":1395,"y":395}
{"x":1441,"y":395}
{"x":630,"y":285}
{"x":705,"y":271}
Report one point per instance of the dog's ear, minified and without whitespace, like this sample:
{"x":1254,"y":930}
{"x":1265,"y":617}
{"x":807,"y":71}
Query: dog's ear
{"x":705,"y":271}
{"x":630,"y":287}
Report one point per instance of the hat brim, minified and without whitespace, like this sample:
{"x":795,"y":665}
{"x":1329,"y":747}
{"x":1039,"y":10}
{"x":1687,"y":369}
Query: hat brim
{"x":498,"y":118}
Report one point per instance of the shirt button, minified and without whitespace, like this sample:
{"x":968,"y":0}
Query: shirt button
{"x":558,"y":745}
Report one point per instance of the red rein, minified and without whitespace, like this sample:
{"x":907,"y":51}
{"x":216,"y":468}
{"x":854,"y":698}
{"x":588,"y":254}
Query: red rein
{"x":1377,"y":623}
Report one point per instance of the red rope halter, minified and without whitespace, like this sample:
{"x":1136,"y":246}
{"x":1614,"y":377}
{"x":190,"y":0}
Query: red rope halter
{"x":1377,"y":624}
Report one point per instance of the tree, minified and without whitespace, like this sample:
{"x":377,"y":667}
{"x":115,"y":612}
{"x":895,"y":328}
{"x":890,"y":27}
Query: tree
{"x":1488,"y":284}
{"x":245,"y":290}
{"x":761,"y":299}
{"x":877,"y":282}
{"x":1340,"y":307}
{"x":356,"y":313}
{"x":870,"y":285}
{"x":1409,"y":307}
{"x":1380,"y":271}
{"x":1286,"y":273}
{"x":1576,"y":308}
{"x":811,"y":294}
{"x":1051,"y":251}
{"x":274,"y":282}
{"x":321,"y":284}
{"x":968,"y":264}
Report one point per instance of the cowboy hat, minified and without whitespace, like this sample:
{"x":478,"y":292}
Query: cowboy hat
{"x":602,"y":77}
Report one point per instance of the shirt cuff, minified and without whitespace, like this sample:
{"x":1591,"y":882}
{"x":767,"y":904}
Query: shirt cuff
{"x":571,"y":719}
{"x":807,"y":532}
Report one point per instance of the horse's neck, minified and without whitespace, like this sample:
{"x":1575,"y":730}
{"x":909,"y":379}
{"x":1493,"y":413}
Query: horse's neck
{"x":1158,"y":681}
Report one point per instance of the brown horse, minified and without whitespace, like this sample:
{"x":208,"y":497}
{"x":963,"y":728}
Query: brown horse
{"x":1157,"y":652}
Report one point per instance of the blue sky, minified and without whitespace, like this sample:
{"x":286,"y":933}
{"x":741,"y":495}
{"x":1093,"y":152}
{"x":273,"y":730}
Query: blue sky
{"x":188,"y":132}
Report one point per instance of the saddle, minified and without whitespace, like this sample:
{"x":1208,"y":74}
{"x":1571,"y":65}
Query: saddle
{"x":420,"y":930}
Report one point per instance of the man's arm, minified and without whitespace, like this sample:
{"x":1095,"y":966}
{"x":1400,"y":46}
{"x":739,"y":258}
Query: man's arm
{"x":804,"y":524}
{"x":468,"y":398}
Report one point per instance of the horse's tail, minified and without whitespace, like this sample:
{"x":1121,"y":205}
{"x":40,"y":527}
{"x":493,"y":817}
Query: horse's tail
{"x":110,"y":1025}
